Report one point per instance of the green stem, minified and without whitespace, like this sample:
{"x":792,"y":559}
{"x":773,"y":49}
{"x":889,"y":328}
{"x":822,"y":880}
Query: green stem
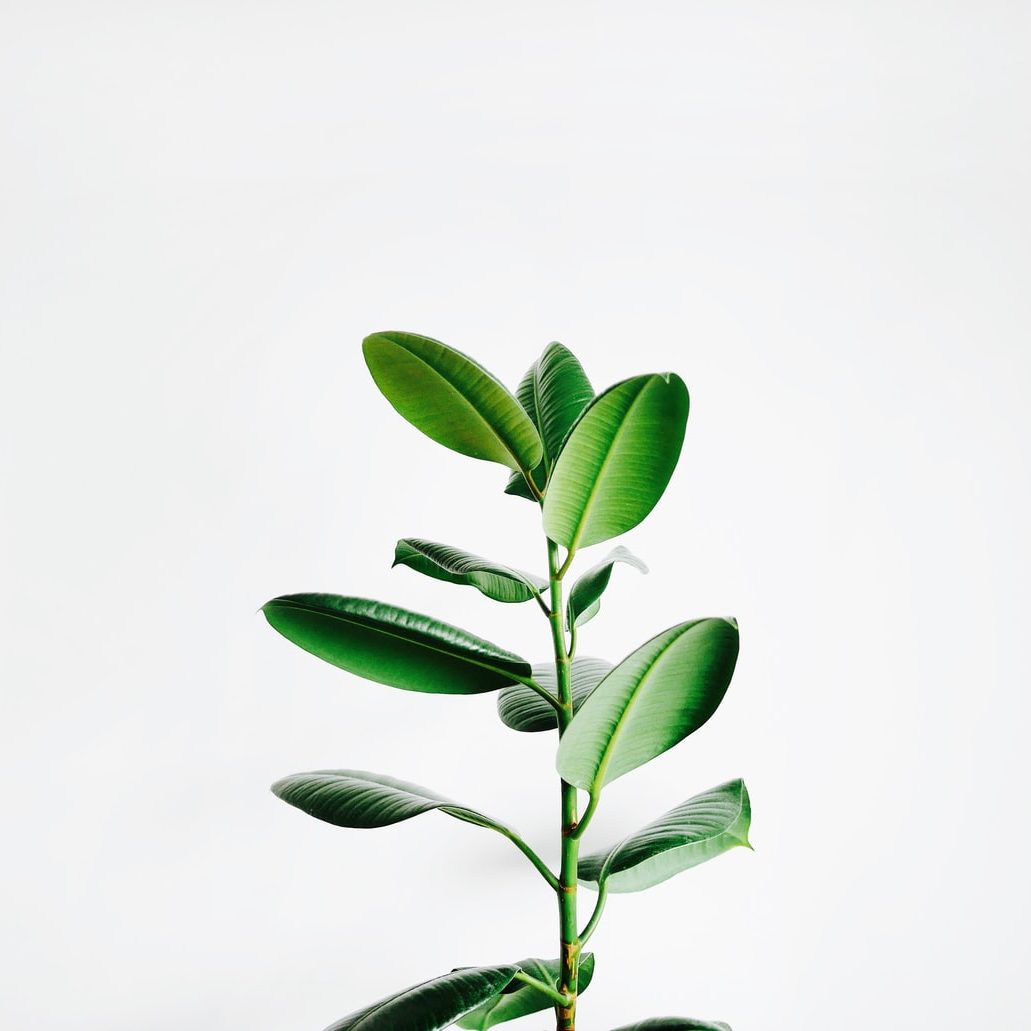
{"x":568,"y":939}
{"x":532,"y":684}
{"x":588,"y":813}
{"x":542,"y":867}
{"x":599,"y":906}
{"x":543,"y":988}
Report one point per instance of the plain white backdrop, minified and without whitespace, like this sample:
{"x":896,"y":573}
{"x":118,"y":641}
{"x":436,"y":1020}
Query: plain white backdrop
{"x":818,"y":214}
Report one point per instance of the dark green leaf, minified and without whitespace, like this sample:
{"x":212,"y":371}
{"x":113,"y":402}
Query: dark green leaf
{"x":675,"y":1024}
{"x":521,"y":708}
{"x":701,"y":828}
{"x":617,"y":460}
{"x":393,"y":646}
{"x":553,"y":393}
{"x":432,"y":1005}
{"x":651,"y":701}
{"x":584,"y":598}
{"x":452,"y":399}
{"x":460,"y":567}
{"x":519,"y":1000}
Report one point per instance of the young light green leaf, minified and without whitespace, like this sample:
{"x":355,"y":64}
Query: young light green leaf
{"x":651,"y":701}
{"x":519,"y":1000}
{"x":452,"y":565}
{"x":393,"y":646}
{"x":675,"y":1024}
{"x":521,"y":708}
{"x":699,"y":829}
{"x":432,"y":1005}
{"x":452,"y":399}
{"x":553,"y":393}
{"x":617,"y":460}
{"x":584,"y":598}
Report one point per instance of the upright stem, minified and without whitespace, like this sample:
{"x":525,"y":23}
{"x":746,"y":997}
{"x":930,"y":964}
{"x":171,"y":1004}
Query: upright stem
{"x":568,"y":938}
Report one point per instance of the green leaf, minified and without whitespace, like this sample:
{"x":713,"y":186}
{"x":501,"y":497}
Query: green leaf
{"x":521,"y":708}
{"x":584,"y":597}
{"x":553,"y":393}
{"x":519,"y":1000}
{"x":651,"y":701}
{"x":432,"y":1005}
{"x":460,"y":567}
{"x":675,"y":1024}
{"x":452,"y":399}
{"x":617,"y":460}
{"x":356,"y":798}
{"x":699,"y":829}
{"x":393,"y":646}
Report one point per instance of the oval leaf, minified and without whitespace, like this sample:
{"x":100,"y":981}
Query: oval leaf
{"x":651,"y":701}
{"x":460,"y":567}
{"x":521,"y":708}
{"x":519,"y":1000}
{"x":675,"y":1024}
{"x":432,"y":1005}
{"x":357,"y":798}
{"x":699,"y":829}
{"x":452,"y":399}
{"x":617,"y":460}
{"x":393,"y":646}
{"x":584,"y":598}
{"x":553,"y":393}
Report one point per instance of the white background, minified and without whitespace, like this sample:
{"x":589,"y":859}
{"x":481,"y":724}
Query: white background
{"x":817,"y":213}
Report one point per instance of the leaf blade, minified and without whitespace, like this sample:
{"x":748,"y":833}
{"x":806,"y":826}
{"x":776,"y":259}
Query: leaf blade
{"x":452,"y":565}
{"x":617,"y":460}
{"x":522,"y":709}
{"x":585,"y":596}
{"x":393,"y":646}
{"x":652,"y":700}
{"x":452,"y":399}
{"x":432,"y":1005}
{"x":703,"y":827}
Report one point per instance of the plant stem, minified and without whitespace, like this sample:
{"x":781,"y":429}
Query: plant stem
{"x":544,"y":989}
{"x":568,"y":939}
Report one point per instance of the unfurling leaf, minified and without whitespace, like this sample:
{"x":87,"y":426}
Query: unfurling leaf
{"x":452,"y":399}
{"x":519,"y":1000}
{"x":699,"y":829}
{"x":553,"y":393}
{"x":585,"y":597}
{"x":393,"y":646}
{"x":617,"y":460}
{"x":460,"y":567}
{"x":521,"y":708}
{"x":651,"y":701}
{"x":432,"y":1005}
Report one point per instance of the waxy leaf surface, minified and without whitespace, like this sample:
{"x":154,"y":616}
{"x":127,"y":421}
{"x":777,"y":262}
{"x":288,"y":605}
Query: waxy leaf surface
{"x":519,"y":1000}
{"x":432,"y":1005}
{"x":452,"y":399}
{"x":675,"y":1024}
{"x":452,"y":565}
{"x":393,"y":646}
{"x":584,"y":598}
{"x":617,"y":460}
{"x":699,"y":829}
{"x":553,"y":393}
{"x":651,"y":701}
{"x":521,"y":708}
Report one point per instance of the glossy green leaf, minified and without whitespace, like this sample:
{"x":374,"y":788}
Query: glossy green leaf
{"x":675,"y":1024}
{"x":393,"y":646}
{"x":651,"y":701}
{"x":584,"y":598}
{"x":521,"y":708}
{"x":452,"y":399}
{"x":443,"y":562}
{"x":616,"y":463}
{"x":432,"y":1005}
{"x":519,"y":1000}
{"x":699,"y":829}
{"x":357,"y":798}
{"x":553,"y":393}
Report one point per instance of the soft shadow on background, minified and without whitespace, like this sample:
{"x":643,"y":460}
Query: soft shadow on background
{"x":817,"y":214}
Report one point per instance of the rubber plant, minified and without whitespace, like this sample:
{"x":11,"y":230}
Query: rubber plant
{"x":595,"y":465}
